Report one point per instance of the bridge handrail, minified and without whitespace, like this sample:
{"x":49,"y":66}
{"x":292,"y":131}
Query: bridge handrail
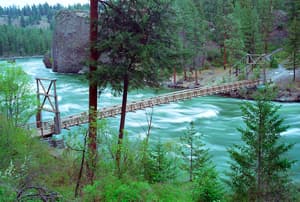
{"x":82,"y":117}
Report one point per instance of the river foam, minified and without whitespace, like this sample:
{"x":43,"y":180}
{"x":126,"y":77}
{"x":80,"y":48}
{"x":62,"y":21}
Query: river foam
{"x":291,"y":132}
{"x":217,"y":118}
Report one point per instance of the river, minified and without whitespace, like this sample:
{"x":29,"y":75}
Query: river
{"x":215,"y":117}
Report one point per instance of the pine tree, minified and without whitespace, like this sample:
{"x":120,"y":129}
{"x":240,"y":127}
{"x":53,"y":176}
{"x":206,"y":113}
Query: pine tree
{"x":293,"y":41}
{"x":141,"y":44}
{"x":193,"y":151}
{"x":223,"y":25}
{"x":210,"y":8}
{"x":265,"y":11}
{"x":234,"y":42}
{"x":250,"y":27}
{"x":192,"y":34}
{"x":206,"y":183}
{"x":19,"y":41}
{"x":159,"y":166}
{"x":93,"y":99}
{"x":207,"y":186}
{"x":259,"y":170}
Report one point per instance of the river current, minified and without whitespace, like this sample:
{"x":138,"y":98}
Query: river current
{"x":215,"y":117}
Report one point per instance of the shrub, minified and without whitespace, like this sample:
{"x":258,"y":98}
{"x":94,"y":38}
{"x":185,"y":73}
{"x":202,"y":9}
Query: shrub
{"x":111,"y":188}
{"x":273,"y":62}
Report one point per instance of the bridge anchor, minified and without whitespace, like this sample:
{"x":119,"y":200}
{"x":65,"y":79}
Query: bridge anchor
{"x":48,"y":96}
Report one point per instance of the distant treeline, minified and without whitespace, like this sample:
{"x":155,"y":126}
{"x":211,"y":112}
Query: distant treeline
{"x":23,"y":32}
{"x":30,"y":15}
{"x":16,"y":41}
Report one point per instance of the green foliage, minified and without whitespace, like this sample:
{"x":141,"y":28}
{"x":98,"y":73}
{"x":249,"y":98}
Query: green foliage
{"x":282,"y":55}
{"x":112,"y":188}
{"x":27,"y":161}
{"x":159,"y":164}
{"x":31,"y":15}
{"x":250,"y":29}
{"x":210,"y":9}
{"x":293,"y":41}
{"x":207,"y":186}
{"x":173,"y":192}
{"x":256,"y":73}
{"x":192,"y":32}
{"x":10,"y":137}
{"x":234,"y":41}
{"x":19,"y":32}
{"x":274,"y":63}
{"x":16,"y":41}
{"x":266,"y":16}
{"x":23,"y":160}
{"x":17,"y":103}
{"x":132,"y":152}
{"x":142,"y":46}
{"x":193,"y":151}
{"x":212,"y":54}
{"x":7,"y":185}
{"x":259,"y":170}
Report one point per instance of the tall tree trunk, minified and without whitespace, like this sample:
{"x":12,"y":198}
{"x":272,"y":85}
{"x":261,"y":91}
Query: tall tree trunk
{"x":253,"y":46}
{"x":184,"y":73}
{"x":92,"y":145}
{"x":266,"y":34}
{"x":191,"y":163}
{"x":265,"y":48}
{"x":196,"y":73}
{"x":265,"y":74}
{"x":294,"y":65}
{"x":196,"y":77}
{"x":224,"y":53}
{"x":174,"y":76}
{"x":81,"y":167}
{"x":122,"y":123}
{"x":259,"y":158}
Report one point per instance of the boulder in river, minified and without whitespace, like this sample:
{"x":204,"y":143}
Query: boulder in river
{"x":70,"y":41}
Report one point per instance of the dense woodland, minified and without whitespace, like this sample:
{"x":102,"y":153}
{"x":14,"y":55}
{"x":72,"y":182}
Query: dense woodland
{"x":248,"y":27}
{"x":99,"y":164}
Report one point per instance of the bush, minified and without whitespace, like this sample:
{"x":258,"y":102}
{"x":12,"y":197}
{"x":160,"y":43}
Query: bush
{"x":273,"y":63}
{"x":7,"y":184}
{"x":207,"y":186}
{"x":173,"y":192}
{"x":213,"y":54}
{"x":6,"y":194}
{"x":281,"y":55}
{"x":111,"y":188}
{"x":159,"y":165}
{"x":17,"y":101}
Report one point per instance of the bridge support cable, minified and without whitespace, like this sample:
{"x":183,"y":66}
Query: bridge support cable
{"x":47,"y":97}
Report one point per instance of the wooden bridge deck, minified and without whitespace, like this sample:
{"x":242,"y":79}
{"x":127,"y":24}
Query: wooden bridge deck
{"x":47,"y":128}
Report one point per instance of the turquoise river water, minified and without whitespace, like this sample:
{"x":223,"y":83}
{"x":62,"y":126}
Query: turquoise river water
{"x":215,"y":117}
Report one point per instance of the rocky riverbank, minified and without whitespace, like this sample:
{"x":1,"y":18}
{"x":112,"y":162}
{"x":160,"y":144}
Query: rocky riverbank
{"x":287,"y":89}
{"x":282,"y":95}
{"x":10,"y":58}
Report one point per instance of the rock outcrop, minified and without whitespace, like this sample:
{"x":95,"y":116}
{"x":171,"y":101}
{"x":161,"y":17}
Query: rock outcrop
{"x":47,"y":60}
{"x":70,"y":41}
